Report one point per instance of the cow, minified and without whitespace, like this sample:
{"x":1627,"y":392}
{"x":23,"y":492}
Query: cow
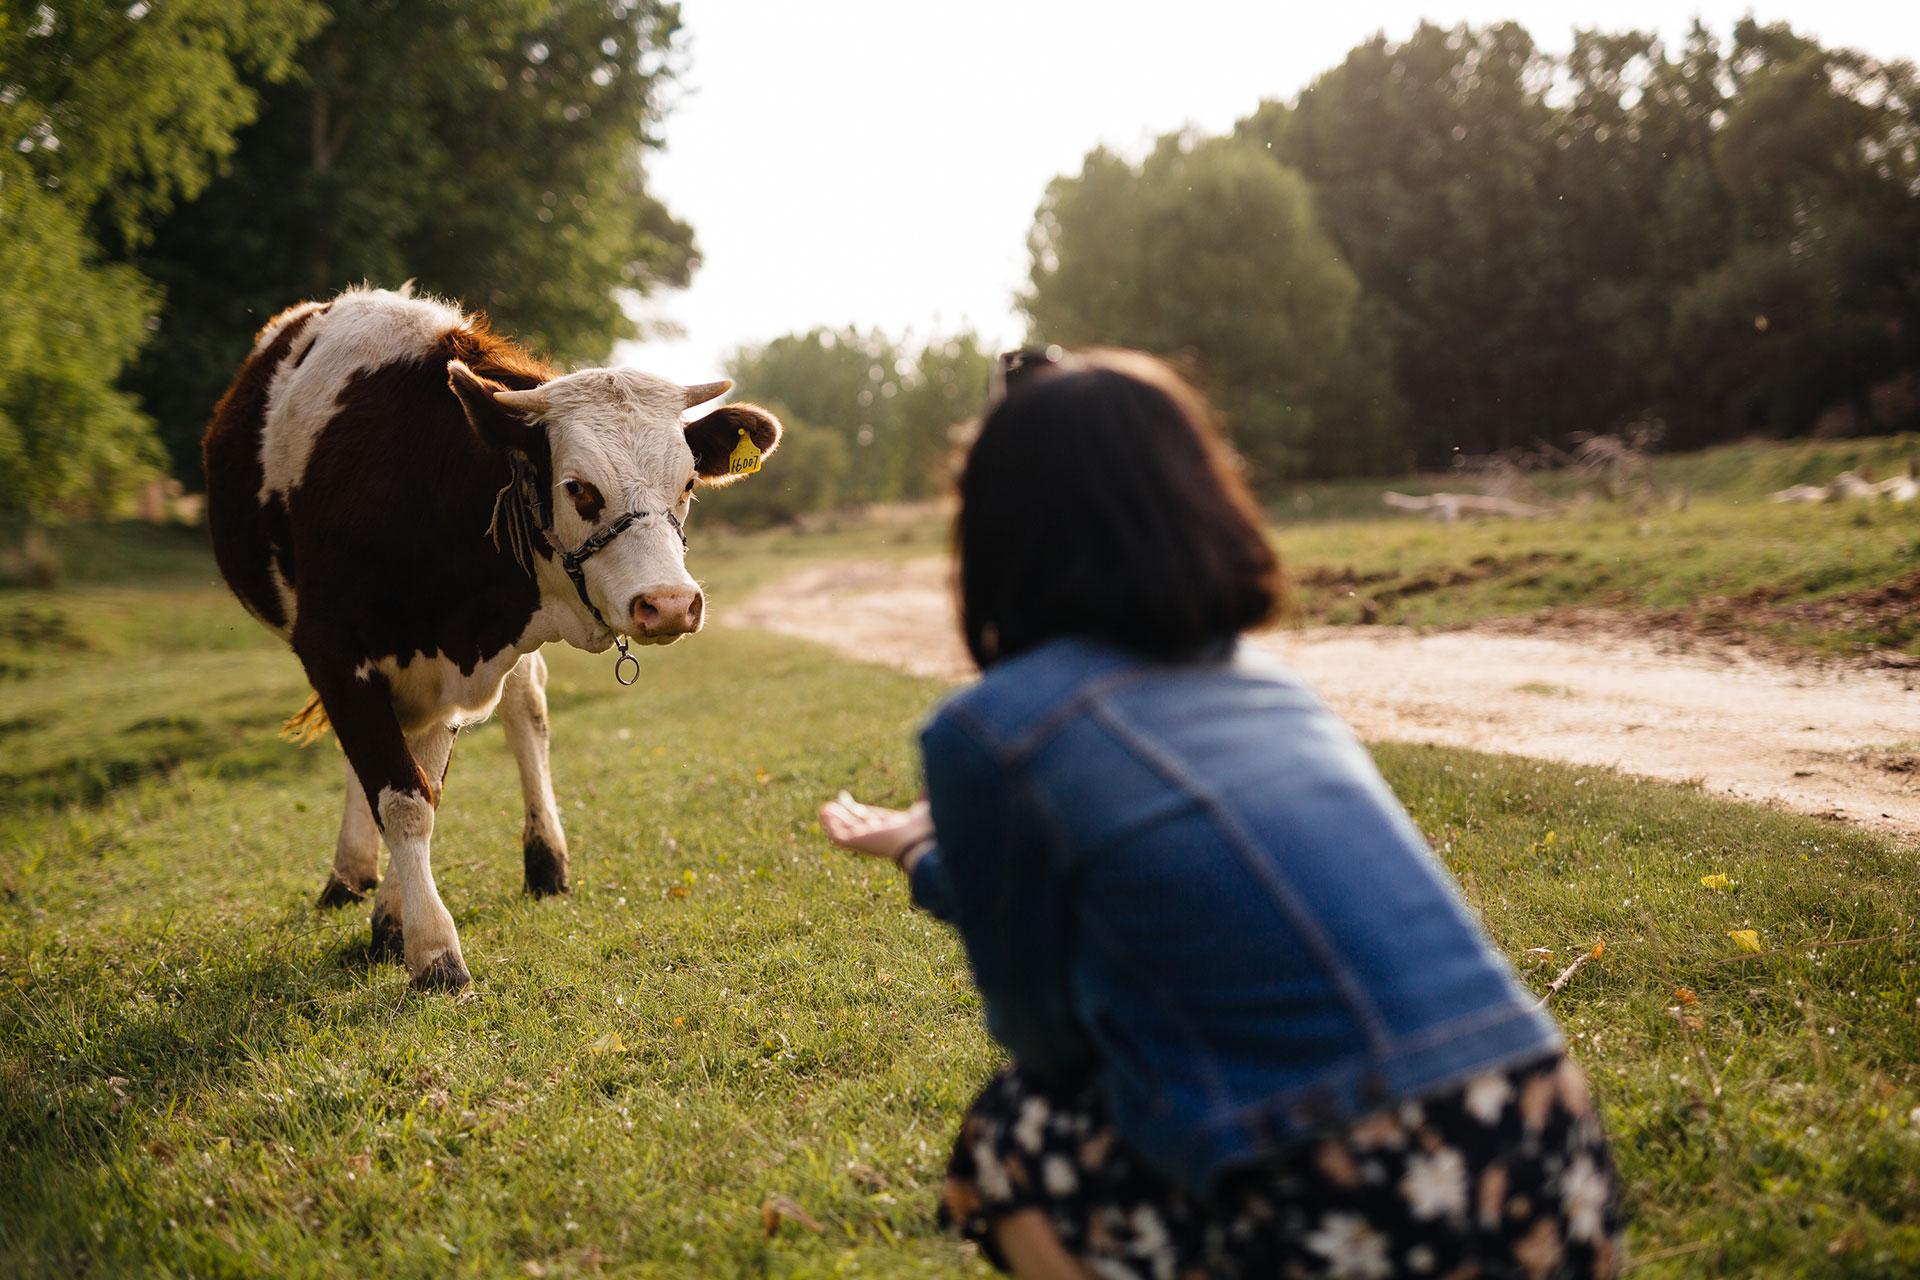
{"x":416,"y":505}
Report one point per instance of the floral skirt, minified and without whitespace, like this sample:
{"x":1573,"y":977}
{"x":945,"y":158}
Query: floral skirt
{"x":1506,"y":1176}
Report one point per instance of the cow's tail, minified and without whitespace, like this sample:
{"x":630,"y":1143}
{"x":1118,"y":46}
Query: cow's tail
{"x":307,"y":725}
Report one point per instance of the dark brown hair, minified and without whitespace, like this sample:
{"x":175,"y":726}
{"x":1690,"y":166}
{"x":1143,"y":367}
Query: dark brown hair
{"x":1100,"y":501}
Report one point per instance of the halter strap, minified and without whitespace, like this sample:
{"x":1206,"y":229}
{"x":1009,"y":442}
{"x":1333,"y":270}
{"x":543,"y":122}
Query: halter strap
{"x":574,"y":561}
{"x":536,"y":504}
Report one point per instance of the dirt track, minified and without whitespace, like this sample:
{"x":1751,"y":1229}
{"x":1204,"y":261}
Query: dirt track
{"x":1839,"y":742}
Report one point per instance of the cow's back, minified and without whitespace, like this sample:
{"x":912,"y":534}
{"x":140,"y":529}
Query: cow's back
{"x":340,"y":423}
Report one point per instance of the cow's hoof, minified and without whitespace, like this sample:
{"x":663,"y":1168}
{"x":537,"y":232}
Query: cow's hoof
{"x":339,"y":893}
{"x":445,"y":972}
{"x":388,"y":942}
{"x":546,"y":870}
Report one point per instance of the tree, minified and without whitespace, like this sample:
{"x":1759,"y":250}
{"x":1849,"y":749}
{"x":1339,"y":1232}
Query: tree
{"x":491,"y":150}
{"x":1431,"y":163}
{"x":892,"y":408}
{"x":1720,"y":237}
{"x":109,"y":115}
{"x":68,"y":325}
{"x":808,"y":475}
{"x":945,"y":389}
{"x":1209,"y":253}
{"x":1813,"y":307}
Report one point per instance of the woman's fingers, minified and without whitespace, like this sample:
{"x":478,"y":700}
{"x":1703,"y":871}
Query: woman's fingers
{"x":835,"y":818}
{"x":841,"y":825}
{"x":871,"y":829}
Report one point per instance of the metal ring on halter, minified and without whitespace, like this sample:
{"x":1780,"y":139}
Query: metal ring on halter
{"x":620,"y":663}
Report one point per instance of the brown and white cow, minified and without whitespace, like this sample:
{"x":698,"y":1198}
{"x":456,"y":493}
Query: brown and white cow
{"x":417,"y":505}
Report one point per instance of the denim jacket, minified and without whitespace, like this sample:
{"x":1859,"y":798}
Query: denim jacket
{"x":1189,"y":883}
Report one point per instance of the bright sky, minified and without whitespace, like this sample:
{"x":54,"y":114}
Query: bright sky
{"x":878,"y":162}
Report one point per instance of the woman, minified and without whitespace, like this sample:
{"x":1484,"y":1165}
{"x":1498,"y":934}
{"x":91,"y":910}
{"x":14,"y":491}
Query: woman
{"x":1253,"y":1030}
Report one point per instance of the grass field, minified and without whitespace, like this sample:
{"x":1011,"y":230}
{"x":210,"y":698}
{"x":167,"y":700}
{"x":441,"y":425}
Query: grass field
{"x":201,"y":1074}
{"x":1706,"y":553}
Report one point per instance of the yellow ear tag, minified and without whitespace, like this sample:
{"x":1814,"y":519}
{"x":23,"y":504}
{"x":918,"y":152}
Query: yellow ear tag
{"x":745,"y":458}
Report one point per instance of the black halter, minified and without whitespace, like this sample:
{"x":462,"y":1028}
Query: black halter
{"x":574,"y":561}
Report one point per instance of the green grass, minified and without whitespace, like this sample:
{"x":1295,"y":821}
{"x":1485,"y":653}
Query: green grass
{"x":202,"y":1074}
{"x":1732,"y":473}
{"x":1813,"y":578}
{"x":1708,"y":554}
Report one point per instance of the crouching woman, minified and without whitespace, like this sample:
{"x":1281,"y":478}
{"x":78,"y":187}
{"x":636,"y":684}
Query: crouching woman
{"x":1253,"y":1029}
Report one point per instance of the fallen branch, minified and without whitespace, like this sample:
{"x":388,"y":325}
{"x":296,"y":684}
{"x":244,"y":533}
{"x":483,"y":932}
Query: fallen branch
{"x":1449,"y":507}
{"x":1566,"y":975}
{"x":1851,"y":484}
{"x":1639,"y":1260}
{"x":779,"y":1209}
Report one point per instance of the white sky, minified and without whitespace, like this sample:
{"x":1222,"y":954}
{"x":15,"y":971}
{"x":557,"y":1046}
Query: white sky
{"x":878,"y":162}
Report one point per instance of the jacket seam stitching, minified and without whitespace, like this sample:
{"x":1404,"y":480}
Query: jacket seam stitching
{"x":1030,"y":739}
{"x":1461,"y":1024}
{"x":1500,"y":1015}
{"x":1371,"y":1023}
{"x":1353,"y":1068}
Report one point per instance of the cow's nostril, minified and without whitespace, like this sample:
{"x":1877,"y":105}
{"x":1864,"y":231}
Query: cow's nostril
{"x":666,"y":611}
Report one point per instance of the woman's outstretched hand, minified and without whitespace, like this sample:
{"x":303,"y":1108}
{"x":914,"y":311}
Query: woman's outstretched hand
{"x":870,"y":829}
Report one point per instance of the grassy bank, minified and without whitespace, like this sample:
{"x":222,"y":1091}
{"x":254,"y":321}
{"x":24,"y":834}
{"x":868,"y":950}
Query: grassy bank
{"x":199,"y":1073}
{"x":1702,"y":553}
{"x":1827,"y":579}
{"x":1729,"y":473}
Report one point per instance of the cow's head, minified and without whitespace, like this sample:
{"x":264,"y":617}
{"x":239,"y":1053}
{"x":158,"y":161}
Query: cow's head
{"x":612,"y":441}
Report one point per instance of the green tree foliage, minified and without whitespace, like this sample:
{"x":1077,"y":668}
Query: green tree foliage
{"x":68,"y":325}
{"x":890,"y":409}
{"x":1719,"y":236}
{"x":809,"y":474}
{"x":109,"y":114}
{"x":492,"y":150}
{"x":1812,"y":310}
{"x":1433,"y":164}
{"x":1210,"y":253}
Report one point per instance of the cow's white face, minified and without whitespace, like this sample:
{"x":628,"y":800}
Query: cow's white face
{"x":617,"y":444}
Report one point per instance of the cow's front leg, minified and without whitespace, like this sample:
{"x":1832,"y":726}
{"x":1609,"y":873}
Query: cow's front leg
{"x":523,"y":712}
{"x":402,"y":779}
{"x":356,"y":856}
{"x":428,"y":939}
{"x":432,"y":752}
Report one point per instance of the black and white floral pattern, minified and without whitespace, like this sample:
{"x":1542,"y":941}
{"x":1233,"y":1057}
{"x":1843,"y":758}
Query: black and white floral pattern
{"x":1507,"y":1176}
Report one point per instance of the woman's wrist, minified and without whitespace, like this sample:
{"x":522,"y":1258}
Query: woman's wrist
{"x":912,"y":851}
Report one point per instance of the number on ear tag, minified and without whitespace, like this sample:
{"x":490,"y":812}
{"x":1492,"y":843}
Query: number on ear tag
{"x":745,"y":458}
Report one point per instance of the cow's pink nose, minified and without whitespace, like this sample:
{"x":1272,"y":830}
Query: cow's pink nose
{"x":667,"y":611}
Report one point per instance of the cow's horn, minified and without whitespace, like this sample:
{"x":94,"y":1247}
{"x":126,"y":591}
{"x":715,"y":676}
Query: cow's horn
{"x":707,"y":391}
{"x":531,"y":401}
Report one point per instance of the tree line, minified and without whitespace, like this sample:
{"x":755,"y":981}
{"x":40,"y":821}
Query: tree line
{"x":871,"y":418}
{"x":1460,"y":243}
{"x":172,"y":172}
{"x":1452,"y":243}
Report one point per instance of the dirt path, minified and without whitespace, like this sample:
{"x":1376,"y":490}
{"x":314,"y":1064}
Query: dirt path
{"x":1838,"y":742}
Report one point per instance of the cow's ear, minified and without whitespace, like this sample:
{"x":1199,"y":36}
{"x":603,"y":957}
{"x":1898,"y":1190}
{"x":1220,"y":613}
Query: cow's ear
{"x":730,"y":442}
{"x":504,"y":418}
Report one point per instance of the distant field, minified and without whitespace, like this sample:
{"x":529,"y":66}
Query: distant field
{"x":201,"y":1074}
{"x":1733,"y":473}
{"x":1704,"y":554}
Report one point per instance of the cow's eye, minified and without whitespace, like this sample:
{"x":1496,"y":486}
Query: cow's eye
{"x":689,"y":488}
{"x":572,"y":487}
